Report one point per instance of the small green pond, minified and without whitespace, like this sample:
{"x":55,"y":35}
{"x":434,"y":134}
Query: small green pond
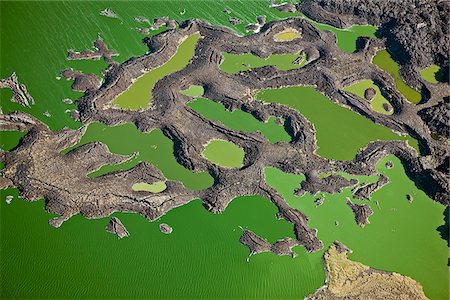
{"x":340,"y":132}
{"x":235,"y":63}
{"x":193,"y":91}
{"x":377,"y":102}
{"x":346,"y":38}
{"x":240,"y":120}
{"x":156,"y":187}
{"x":385,"y":61}
{"x":139,"y":94}
{"x":224,"y":153}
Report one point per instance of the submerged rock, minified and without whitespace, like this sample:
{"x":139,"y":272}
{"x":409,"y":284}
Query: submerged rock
{"x":9,"y":198}
{"x":389,"y":165}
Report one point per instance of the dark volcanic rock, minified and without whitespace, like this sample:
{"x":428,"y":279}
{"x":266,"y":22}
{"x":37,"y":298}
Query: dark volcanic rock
{"x":115,"y":226}
{"x":369,"y":93}
{"x":19,"y":91}
{"x":366,"y":191}
{"x":165,"y":228}
{"x":257,"y":244}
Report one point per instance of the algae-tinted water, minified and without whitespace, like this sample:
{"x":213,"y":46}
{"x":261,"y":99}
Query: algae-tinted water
{"x":37,"y":34}
{"x":239,"y":120}
{"x":201,"y":258}
{"x":139,"y":94}
{"x":235,"y":63}
{"x":340,"y":132}
{"x":401,"y":236}
{"x":224,"y":153}
{"x":156,"y":187}
{"x":377,"y":102}
{"x":153,"y":147}
{"x":384,"y":60}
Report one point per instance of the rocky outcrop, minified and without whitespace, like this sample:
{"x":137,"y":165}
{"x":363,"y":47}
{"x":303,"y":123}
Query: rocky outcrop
{"x":101,"y":51}
{"x":164,"y":228}
{"x":365,"y":191}
{"x":19,"y":90}
{"x":257,"y":244}
{"x":82,"y":82}
{"x":116,"y":227}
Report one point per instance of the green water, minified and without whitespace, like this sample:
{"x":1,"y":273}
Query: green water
{"x":286,"y":35}
{"x":431,"y":74}
{"x":224,"y":153}
{"x":340,"y":132}
{"x":139,"y":94}
{"x":239,"y":120}
{"x":202,"y":258}
{"x":37,"y":34}
{"x":401,"y":237}
{"x":377,"y":102}
{"x":235,"y":63}
{"x":384,"y":60}
{"x":152,"y":147}
{"x":194,"y":91}
{"x":156,"y":187}
{"x":346,"y":38}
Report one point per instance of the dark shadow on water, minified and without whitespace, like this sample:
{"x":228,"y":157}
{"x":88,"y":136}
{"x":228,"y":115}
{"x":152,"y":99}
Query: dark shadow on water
{"x":443,"y":229}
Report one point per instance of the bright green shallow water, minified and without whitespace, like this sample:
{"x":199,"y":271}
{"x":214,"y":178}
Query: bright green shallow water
{"x":401,"y":237}
{"x":340,"y":131}
{"x":384,"y":60}
{"x":235,"y":63}
{"x":239,"y":120}
{"x":36,"y":36}
{"x":377,"y":102}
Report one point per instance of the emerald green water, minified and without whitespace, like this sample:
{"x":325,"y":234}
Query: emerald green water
{"x":401,"y":237}
{"x":152,"y":147}
{"x":239,"y":120}
{"x":224,"y":153}
{"x":235,"y":63}
{"x":156,"y":187}
{"x":377,"y":102}
{"x":384,"y":60}
{"x":340,"y":132}
{"x":193,"y":91}
{"x":431,"y":74}
{"x":139,"y":94}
